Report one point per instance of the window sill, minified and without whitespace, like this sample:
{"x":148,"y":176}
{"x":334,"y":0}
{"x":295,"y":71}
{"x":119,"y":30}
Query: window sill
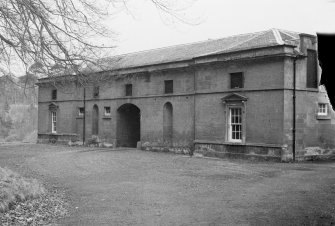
{"x":323,"y":117}
{"x":79,"y":117}
{"x":312,"y":89}
{"x":107,"y":117}
{"x":237,"y":144}
{"x":59,"y":134}
{"x":234,"y":143}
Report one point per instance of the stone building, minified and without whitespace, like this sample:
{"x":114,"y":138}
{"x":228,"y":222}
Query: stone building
{"x":249,"y":95}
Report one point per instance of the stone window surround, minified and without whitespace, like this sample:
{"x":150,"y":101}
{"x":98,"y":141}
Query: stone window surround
{"x":53,"y":114}
{"x":235,"y":100}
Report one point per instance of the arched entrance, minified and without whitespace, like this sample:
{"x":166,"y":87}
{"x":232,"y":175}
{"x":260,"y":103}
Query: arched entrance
{"x":95,"y":120}
{"x":128,"y":129}
{"x":167,"y":123}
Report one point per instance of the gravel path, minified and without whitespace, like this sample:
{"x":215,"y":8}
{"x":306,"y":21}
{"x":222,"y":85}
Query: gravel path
{"x":132,"y":187}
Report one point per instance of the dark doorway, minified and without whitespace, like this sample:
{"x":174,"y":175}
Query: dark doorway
{"x":167,"y":123}
{"x":95,"y":120}
{"x":128,"y":131}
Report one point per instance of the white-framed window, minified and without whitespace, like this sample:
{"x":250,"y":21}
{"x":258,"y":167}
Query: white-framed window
{"x":81,"y":111}
{"x":322,"y":109}
{"x":107,"y":111}
{"x":53,"y":121}
{"x":235,"y":124}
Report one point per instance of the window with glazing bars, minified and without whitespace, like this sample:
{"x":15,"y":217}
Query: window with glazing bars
{"x":235,"y":124}
{"x":53,"y":122}
{"x":322,"y":109}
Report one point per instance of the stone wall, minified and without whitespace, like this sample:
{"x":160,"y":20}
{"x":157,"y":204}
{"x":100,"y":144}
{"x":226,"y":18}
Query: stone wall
{"x":56,"y":138}
{"x":249,"y":151}
{"x":198,"y":111}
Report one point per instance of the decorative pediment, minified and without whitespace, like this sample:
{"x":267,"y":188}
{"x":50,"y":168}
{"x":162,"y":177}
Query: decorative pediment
{"x":234,"y":97}
{"x":53,"y":106}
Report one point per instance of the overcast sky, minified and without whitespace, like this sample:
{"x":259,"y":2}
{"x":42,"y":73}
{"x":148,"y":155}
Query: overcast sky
{"x":144,"y":28}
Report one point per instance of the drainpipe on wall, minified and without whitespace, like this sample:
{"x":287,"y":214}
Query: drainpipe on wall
{"x":294,"y":107}
{"x":84,"y":118}
{"x":194,"y":102}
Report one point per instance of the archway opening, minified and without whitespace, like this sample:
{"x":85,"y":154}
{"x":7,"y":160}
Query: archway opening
{"x":167,"y":123}
{"x":128,"y":131}
{"x":95,"y":120}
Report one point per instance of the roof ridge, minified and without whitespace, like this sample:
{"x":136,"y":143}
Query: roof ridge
{"x":249,"y":39}
{"x":288,"y":34}
{"x":277,"y":35}
{"x":185,"y":44}
{"x":256,"y":34}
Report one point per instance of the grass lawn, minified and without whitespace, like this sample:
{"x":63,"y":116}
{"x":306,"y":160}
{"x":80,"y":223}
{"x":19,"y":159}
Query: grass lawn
{"x":133,"y":187}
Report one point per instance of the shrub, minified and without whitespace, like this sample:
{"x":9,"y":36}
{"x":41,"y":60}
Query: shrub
{"x":14,"y":188}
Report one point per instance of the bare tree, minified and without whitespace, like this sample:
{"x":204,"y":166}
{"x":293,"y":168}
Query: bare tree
{"x":57,"y":35}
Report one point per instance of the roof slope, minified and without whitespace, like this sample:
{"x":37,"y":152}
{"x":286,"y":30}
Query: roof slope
{"x":271,"y":37}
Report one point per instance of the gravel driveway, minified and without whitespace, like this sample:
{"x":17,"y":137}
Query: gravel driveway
{"x":132,"y":187}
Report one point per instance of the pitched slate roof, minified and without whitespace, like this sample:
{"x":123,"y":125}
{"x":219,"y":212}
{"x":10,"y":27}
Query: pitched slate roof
{"x":271,"y":37}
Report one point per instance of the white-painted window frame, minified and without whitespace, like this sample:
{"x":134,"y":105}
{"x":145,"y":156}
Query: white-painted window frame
{"x":322,"y":109}
{"x":81,"y":113}
{"x":236,"y":122}
{"x":53,"y":122}
{"x":105,"y":111}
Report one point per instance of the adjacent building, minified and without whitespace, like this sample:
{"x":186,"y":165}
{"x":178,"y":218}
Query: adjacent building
{"x":250,"y":95}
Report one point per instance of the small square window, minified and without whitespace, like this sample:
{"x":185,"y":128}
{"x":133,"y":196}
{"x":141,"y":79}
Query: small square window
{"x":96,"y":91}
{"x":129,"y":89}
{"x":168,"y":86}
{"x":323,"y":109}
{"x":107,"y":111}
{"x":54,"y":94}
{"x":236,"y":80}
{"x":81,"y":111}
